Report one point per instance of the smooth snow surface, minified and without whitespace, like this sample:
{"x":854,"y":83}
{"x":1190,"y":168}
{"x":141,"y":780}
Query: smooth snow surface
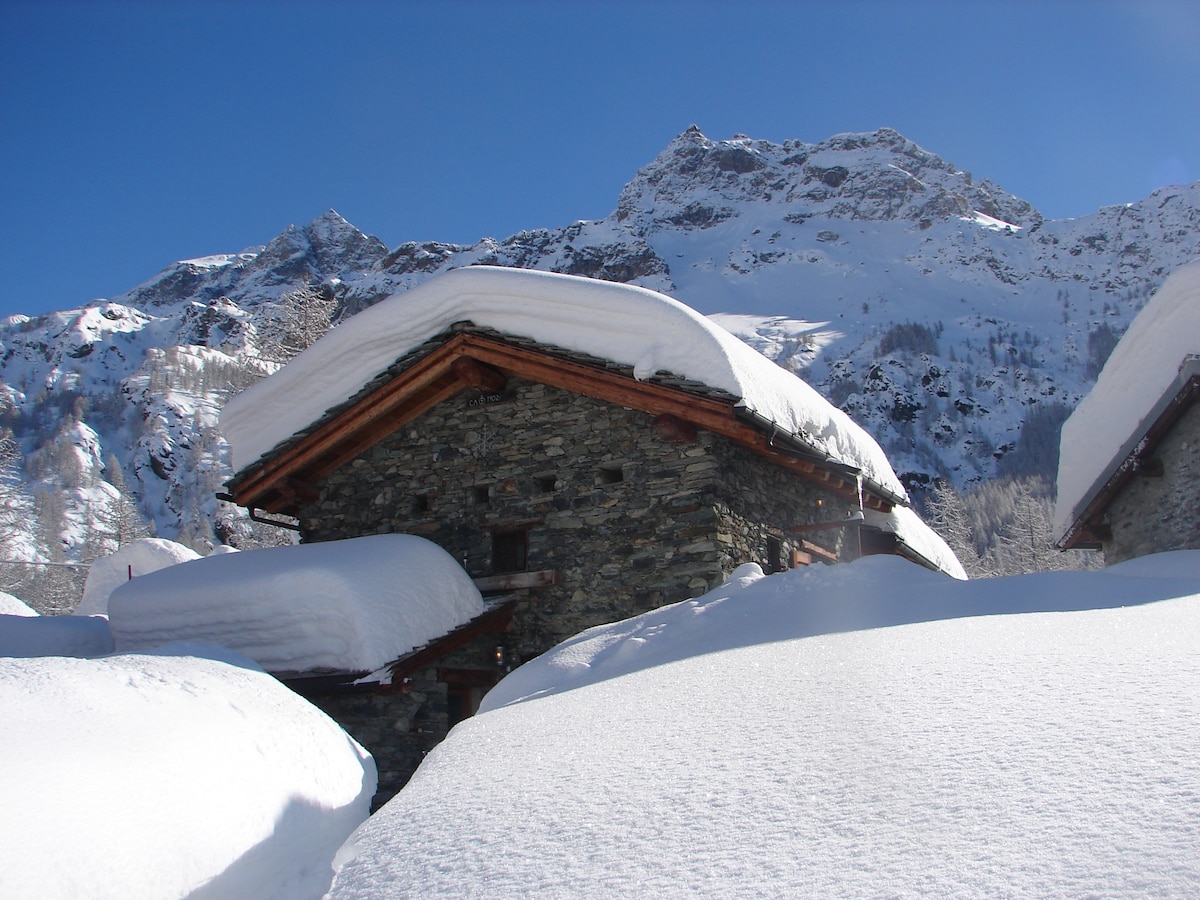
{"x":775,"y":738}
{"x":352,"y":605}
{"x":622,"y":323}
{"x":134,"y":559}
{"x":13,"y":606}
{"x":1142,"y":367}
{"x":189,"y":772}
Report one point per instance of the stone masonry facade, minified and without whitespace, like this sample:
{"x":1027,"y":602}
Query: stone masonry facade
{"x":1155,"y":514}
{"x":537,"y":478}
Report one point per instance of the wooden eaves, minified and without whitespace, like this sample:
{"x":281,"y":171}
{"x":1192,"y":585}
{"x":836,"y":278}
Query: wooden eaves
{"x":284,"y":479}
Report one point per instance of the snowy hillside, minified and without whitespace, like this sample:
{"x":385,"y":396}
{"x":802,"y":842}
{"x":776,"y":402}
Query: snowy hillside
{"x":940,"y":312}
{"x":851,"y":731}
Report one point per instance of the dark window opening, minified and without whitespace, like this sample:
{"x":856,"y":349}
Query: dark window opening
{"x":775,"y":561}
{"x":545,"y":484}
{"x":420,"y":503}
{"x":481,"y":493}
{"x":611,"y":473}
{"x":510,"y":551}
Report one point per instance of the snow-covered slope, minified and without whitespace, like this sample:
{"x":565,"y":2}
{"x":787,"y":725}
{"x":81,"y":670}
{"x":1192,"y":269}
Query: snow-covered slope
{"x":851,"y":731}
{"x":937,"y":310}
{"x":186,"y":772}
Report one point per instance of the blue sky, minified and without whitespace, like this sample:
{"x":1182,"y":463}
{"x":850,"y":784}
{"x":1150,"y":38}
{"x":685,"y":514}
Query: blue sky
{"x":133,"y":134}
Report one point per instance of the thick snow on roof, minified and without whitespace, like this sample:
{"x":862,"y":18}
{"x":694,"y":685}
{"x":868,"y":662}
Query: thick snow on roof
{"x":351,"y":605}
{"x":1141,"y":370}
{"x":1024,"y":736}
{"x":34,"y":635}
{"x":907,"y":525}
{"x":621,"y":323}
{"x":188,"y":772}
{"x":140,"y":557}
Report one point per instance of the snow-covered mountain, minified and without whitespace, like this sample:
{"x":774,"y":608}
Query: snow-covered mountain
{"x":941,"y":312}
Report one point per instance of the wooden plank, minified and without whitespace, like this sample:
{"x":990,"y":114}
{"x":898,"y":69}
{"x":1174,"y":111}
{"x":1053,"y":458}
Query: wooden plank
{"x":819,"y":552}
{"x":517,"y":581}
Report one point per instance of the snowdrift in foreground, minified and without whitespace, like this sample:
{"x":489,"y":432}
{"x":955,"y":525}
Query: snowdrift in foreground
{"x":352,"y":605}
{"x":185,"y":773}
{"x":132,"y":560}
{"x":772,"y":739}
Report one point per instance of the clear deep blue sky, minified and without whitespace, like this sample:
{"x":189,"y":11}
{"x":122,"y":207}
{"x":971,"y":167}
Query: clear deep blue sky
{"x":133,"y":134}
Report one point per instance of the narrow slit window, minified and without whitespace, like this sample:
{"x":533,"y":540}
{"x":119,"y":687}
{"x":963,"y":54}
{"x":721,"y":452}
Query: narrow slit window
{"x":775,"y":556}
{"x":611,"y":474}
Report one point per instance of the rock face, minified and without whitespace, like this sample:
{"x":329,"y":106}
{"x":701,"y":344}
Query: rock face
{"x":825,"y":256}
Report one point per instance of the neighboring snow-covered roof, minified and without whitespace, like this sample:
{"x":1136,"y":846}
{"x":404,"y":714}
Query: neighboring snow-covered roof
{"x":624,"y":324}
{"x":776,"y":738}
{"x":1127,"y":397}
{"x":137,"y":558}
{"x":34,"y":635}
{"x":349,"y":605}
{"x":14,"y":606}
{"x":918,"y":537}
{"x":184,"y":773}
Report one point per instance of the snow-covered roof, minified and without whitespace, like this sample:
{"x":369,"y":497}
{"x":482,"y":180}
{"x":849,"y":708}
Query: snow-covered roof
{"x":187,"y":772}
{"x":28,"y":634}
{"x":350,"y":605}
{"x":1139,"y":378}
{"x":131,"y":560}
{"x":14,"y":606}
{"x":920,"y":540}
{"x":621,"y":323}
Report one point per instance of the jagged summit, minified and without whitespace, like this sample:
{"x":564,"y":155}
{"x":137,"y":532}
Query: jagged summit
{"x":875,"y":175}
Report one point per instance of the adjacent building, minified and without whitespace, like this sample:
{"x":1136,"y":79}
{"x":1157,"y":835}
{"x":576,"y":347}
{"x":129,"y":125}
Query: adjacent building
{"x":1129,"y":470}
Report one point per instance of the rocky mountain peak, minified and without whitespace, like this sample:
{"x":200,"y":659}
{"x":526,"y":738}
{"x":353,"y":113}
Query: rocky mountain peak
{"x":878,"y":175}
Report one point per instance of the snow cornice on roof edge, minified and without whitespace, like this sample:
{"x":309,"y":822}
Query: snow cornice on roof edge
{"x":626,"y":325}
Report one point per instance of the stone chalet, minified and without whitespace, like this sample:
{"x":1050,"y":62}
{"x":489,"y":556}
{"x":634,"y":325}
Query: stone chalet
{"x":588,"y":451}
{"x":1129,"y":471}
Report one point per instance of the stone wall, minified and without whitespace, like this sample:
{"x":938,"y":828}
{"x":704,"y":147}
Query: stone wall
{"x":1161,"y":513}
{"x":398,"y":729}
{"x":629,"y":520}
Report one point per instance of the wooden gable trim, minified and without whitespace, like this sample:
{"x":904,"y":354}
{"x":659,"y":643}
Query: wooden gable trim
{"x":436,"y":377}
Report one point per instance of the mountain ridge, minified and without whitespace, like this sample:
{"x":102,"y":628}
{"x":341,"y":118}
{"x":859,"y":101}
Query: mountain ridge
{"x":938,"y":310}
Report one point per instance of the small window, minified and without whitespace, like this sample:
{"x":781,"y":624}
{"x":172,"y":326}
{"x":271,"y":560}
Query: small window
{"x":420,"y":504}
{"x":510,"y":551}
{"x":545,"y":484}
{"x":481,"y":493}
{"x":610,"y":473}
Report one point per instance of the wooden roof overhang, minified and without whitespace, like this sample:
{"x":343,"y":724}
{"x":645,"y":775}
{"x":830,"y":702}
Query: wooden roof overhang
{"x":1090,"y":529}
{"x":493,"y":620}
{"x":284,"y":479}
